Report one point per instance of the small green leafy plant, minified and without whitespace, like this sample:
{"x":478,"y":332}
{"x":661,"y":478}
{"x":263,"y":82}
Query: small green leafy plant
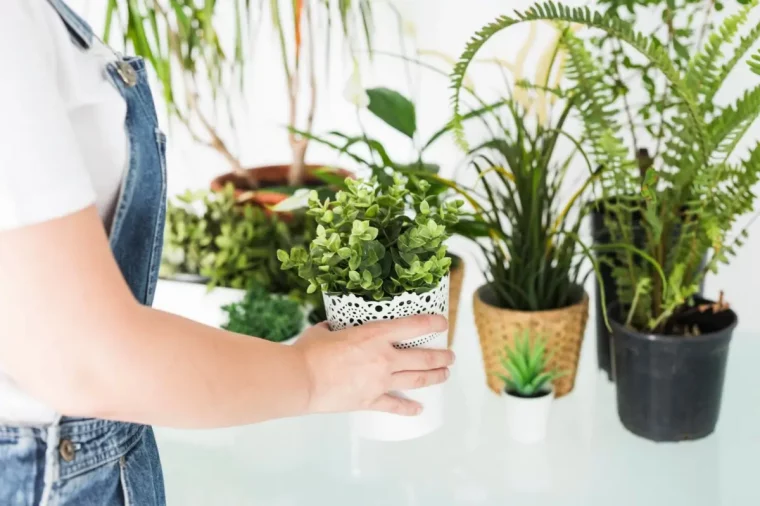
{"x":260,"y":314}
{"x":527,"y":365}
{"x":233,"y":246}
{"x":376,"y":241}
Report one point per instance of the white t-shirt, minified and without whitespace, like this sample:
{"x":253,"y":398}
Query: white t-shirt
{"x":63,"y":144}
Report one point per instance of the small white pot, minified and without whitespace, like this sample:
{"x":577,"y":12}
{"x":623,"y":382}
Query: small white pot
{"x":527,"y":418}
{"x":348,"y":310}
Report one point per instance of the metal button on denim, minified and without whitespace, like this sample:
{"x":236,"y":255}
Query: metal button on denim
{"x":66,"y":449}
{"x":127,"y":73}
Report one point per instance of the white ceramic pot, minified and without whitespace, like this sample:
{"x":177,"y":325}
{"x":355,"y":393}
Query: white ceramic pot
{"x":527,"y":418}
{"x":349,"y":311}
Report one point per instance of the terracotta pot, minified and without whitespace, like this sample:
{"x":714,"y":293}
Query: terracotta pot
{"x":456,"y":276}
{"x":563,"y":329}
{"x":268,"y":176}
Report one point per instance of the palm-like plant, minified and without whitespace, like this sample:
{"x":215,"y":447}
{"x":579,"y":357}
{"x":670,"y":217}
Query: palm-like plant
{"x":693,"y":192}
{"x":181,"y":40}
{"x":527,"y":366}
{"x":185,"y":43}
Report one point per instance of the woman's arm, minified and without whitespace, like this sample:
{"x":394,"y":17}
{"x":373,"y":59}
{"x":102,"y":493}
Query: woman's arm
{"x":72,"y":335}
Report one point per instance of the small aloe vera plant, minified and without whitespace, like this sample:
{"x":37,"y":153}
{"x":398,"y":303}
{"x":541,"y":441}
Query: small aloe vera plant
{"x":527,"y":365}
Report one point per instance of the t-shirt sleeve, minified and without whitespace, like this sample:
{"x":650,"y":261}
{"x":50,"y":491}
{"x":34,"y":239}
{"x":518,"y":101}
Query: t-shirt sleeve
{"x":42,"y":174}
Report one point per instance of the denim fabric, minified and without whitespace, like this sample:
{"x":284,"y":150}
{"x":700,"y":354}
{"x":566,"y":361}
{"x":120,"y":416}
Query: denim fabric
{"x":111,"y":464}
{"x":88,"y":462}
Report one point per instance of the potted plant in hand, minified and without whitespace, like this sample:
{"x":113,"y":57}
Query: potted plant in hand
{"x":528,"y":389}
{"x":670,"y":347}
{"x":380,"y":254}
{"x":399,"y":112}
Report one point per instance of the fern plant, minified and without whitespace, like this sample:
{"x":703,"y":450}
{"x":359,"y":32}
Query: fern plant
{"x":693,"y":192}
{"x":526,"y":364}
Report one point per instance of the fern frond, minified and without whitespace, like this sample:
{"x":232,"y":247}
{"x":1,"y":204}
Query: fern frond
{"x":551,"y":11}
{"x":703,"y":72}
{"x":729,"y":127}
{"x":745,"y":44}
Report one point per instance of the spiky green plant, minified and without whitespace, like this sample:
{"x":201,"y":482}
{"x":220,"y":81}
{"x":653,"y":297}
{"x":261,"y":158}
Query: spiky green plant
{"x":693,"y":192}
{"x":534,"y":257}
{"x":526,"y":364}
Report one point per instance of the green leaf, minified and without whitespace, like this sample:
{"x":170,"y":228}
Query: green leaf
{"x":394,"y":109}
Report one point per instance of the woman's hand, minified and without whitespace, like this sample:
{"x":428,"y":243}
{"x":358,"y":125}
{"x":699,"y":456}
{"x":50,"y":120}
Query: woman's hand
{"x":354,"y":369}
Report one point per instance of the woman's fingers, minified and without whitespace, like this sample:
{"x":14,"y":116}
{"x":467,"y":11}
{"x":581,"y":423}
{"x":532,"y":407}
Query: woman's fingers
{"x":396,"y":405}
{"x":402,"y":329}
{"x":421,"y":359}
{"x":409,"y":380}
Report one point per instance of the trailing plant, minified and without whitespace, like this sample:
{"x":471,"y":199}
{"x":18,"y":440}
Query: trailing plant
{"x":376,"y":241}
{"x":234,"y":246}
{"x":261,"y":314}
{"x":693,"y":193}
{"x":526,"y":363}
{"x":181,"y":41}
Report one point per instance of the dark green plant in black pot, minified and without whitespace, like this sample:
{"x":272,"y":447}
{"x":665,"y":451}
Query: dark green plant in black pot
{"x":670,"y":346}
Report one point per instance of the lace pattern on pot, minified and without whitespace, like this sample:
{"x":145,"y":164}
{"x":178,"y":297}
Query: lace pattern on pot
{"x":349,"y":311}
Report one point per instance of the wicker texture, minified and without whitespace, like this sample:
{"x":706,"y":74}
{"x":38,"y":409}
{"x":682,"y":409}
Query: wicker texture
{"x":455,"y":290}
{"x":562,"y":328}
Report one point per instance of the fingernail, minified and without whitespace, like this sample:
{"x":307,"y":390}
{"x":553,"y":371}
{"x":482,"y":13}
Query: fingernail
{"x":418,"y":410}
{"x":453,"y":357}
{"x":446,"y":374}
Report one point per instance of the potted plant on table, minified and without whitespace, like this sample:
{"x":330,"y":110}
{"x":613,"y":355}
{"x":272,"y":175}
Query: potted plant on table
{"x":182,"y":42}
{"x":528,"y":389}
{"x":670,"y":347}
{"x":380,"y":254}
{"x":534,"y":257}
{"x":687,"y":22}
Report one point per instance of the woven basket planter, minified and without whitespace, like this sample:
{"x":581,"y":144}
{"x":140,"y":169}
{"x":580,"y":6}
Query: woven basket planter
{"x":456,"y":277}
{"x":563,"y":330}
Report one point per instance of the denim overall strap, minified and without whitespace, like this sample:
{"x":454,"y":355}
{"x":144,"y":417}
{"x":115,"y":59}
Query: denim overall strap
{"x":138,"y":228}
{"x":86,"y":461}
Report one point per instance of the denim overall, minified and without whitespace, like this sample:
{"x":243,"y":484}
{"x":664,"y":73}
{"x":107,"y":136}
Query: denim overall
{"x":88,"y":462}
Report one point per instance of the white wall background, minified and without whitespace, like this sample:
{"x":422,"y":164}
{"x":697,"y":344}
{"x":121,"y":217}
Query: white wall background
{"x":440,"y":25}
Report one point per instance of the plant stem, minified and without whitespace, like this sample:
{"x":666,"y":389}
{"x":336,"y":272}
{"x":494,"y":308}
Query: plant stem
{"x":628,"y":112}
{"x":300,"y":145}
{"x":705,"y":23}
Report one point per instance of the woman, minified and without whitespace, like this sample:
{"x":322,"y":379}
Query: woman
{"x":85,"y":364}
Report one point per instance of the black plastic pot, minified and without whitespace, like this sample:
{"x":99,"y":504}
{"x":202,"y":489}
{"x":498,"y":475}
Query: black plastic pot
{"x":669,"y":388}
{"x":601,"y":236}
